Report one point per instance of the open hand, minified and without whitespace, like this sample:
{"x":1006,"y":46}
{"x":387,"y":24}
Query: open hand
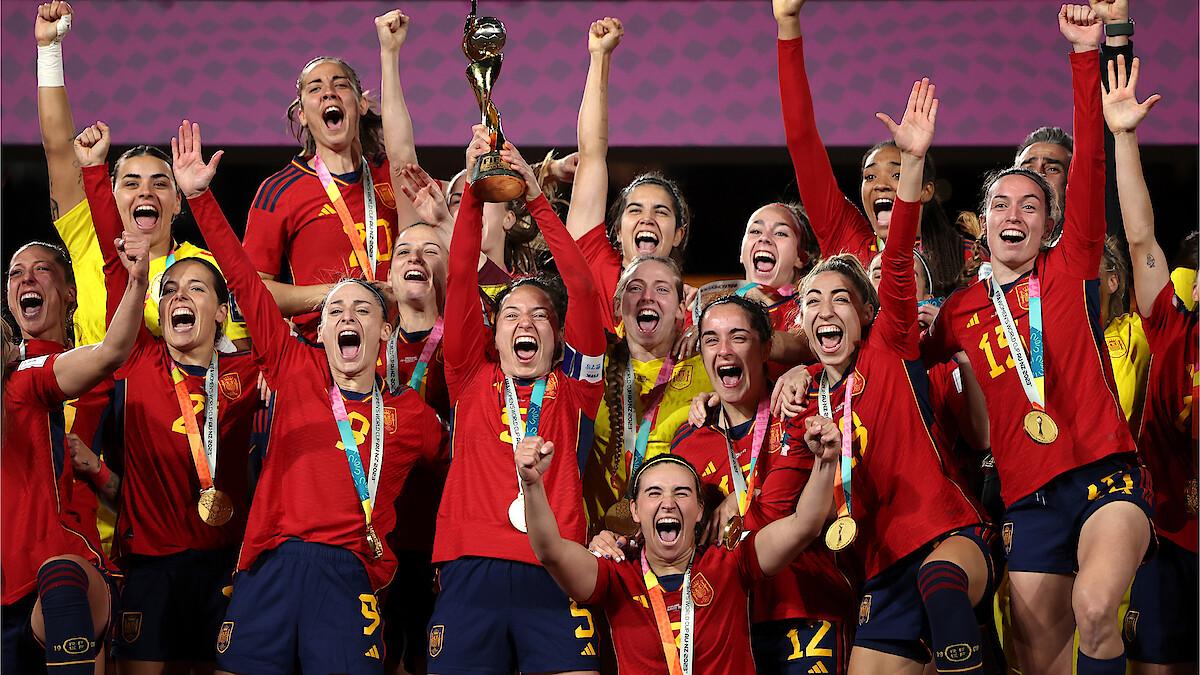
{"x":192,"y":175}
{"x":1122,"y":112}
{"x":914,"y":134}
{"x":426,"y":196}
{"x":510,"y":155}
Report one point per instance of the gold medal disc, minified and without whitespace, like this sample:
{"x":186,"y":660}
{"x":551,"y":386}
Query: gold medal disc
{"x":619,"y":520}
{"x":731,"y":532}
{"x":1040,"y":427}
{"x":841,"y":533}
{"x":215,"y":507}
{"x":374,"y":542}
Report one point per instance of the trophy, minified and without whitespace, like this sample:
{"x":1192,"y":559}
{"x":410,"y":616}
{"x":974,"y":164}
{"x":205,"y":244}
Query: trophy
{"x":492,"y":180}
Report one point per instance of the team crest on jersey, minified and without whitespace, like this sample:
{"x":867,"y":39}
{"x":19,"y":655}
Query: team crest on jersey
{"x":1130,"y":626}
{"x":389,"y":420}
{"x":384,"y":190}
{"x":702,"y":591}
{"x":435,"y":640}
{"x":224,"y":637}
{"x":131,"y":626}
{"x":776,"y":440}
{"x":1116,"y":347}
{"x":230,"y":385}
{"x":1023,"y":295}
{"x":682,"y":379}
{"x":1007,"y":534}
{"x":860,"y":383}
{"x":864,"y":610}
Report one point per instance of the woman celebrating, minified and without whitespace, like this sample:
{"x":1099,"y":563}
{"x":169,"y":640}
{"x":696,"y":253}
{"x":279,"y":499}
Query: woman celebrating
{"x":52,"y":588}
{"x":1069,"y":477}
{"x":539,"y":374}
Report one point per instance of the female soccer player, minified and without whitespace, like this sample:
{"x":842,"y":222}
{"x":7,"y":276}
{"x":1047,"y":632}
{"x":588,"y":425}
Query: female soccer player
{"x":646,"y":390}
{"x":183,"y":493}
{"x":1161,"y":618}
{"x":674,"y":582}
{"x":1069,"y":477}
{"x":753,"y":474}
{"x":52,"y":588}
{"x":539,"y":374}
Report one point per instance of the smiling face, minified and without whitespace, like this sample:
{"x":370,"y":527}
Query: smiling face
{"x":833,"y":317}
{"x":1016,"y":220}
{"x":880,"y":175}
{"x":38,"y":294}
{"x":330,"y":105}
{"x":418,"y":270}
{"x":667,"y":508}
{"x":733,"y":354}
{"x":147,"y":198}
{"x":189,"y":309}
{"x":650,"y":306}
{"x":353,"y":328}
{"x":527,"y":332}
{"x":649,"y":223}
{"x":1050,"y":160}
{"x":771,"y":252}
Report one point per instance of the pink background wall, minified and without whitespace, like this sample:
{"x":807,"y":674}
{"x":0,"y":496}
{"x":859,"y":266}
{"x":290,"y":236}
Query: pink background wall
{"x":696,"y":73}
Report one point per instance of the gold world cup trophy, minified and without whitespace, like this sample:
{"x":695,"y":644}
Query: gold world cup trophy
{"x":492,"y":180}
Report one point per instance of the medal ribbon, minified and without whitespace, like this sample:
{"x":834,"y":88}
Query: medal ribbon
{"x":366,"y":256}
{"x":204,"y":453}
{"x":636,"y":443}
{"x":417,"y":380}
{"x":365,"y":486}
{"x":517,"y":428}
{"x":1031,"y":369}
{"x":743,"y":484}
{"x":679,"y":660}
{"x":841,"y":497}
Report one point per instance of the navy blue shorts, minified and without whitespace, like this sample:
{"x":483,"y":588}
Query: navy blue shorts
{"x":1161,"y":624}
{"x":172,"y":606}
{"x":20,"y":652}
{"x":1041,"y":530}
{"x":891,"y":616}
{"x":497,"y":616}
{"x":303,"y":607}
{"x":799,"y":647}
{"x":407,"y":608}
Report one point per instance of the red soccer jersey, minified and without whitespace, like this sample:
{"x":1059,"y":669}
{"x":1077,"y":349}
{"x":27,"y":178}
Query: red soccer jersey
{"x":306,"y":491}
{"x":812,"y":586}
{"x":33,"y":527}
{"x":1166,"y":440}
{"x":721,"y":583}
{"x":606,"y":266}
{"x":473,"y":517}
{"x":1080,"y":395}
{"x":293,"y":230}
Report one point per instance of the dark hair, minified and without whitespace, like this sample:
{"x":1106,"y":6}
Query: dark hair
{"x":550,"y":285}
{"x":1188,"y":251}
{"x":138,"y":151}
{"x":848,"y":265}
{"x":370,"y":124}
{"x":683,"y":214}
{"x":1112,"y":261}
{"x":59,"y":254}
{"x":940,"y":241}
{"x":1055,"y":135}
{"x":665,"y":458}
{"x":219,"y":286}
{"x":1053,"y":208}
{"x":756,"y":312}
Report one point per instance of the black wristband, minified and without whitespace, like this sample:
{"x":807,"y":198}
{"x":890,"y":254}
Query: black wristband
{"x":1118,"y":29}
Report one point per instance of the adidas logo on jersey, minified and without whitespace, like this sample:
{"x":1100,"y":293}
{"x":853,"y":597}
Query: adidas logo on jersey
{"x":819,"y":668}
{"x":709,"y":470}
{"x":327,"y":210}
{"x":373,"y":652}
{"x":974,"y":320}
{"x":588,"y":650}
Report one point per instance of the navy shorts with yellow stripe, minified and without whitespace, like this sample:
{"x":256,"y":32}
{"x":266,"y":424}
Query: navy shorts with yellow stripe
{"x":497,"y":616}
{"x":172,"y":606}
{"x":1161,"y":624}
{"x":799,"y":647}
{"x":302,"y":607}
{"x":1041,"y":530}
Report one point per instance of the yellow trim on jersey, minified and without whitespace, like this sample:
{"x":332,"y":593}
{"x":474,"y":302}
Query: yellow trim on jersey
{"x":1184,"y":278}
{"x":1129,"y":353}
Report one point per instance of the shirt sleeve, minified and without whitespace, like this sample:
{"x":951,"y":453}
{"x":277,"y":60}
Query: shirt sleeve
{"x":1082,"y":242}
{"x":266,"y":231}
{"x":749,"y":569}
{"x":465,"y":342}
{"x":41,"y":385}
{"x":87,"y":262}
{"x":605,"y":265}
{"x":606,"y":580}
{"x":940,"y":342}
{"x":781,"y":485}
{"x":898,"y":286}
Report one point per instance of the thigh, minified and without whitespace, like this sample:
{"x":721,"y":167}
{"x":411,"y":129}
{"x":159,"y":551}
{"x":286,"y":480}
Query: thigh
{"x":1043,"y":622}
{"x":1161,"y":624}
{"x":468,"y":632}
{"x":550,"y":631}
{"x":799,"y":647}
{"x":868,"y":661}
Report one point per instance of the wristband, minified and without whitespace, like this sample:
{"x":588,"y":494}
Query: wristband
{"x":1118,"y":29}
{"x":100,"y":478}
{"x":50,"y":66}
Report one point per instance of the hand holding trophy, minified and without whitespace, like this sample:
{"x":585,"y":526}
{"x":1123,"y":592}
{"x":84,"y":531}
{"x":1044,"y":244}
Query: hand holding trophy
{"x":492,"y":179}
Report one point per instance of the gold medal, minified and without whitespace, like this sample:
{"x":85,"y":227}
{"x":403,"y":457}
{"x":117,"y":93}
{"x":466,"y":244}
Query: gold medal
{"x":841,"y":533}
{"x":516,"y":513}
{"x":1040,"y":427}
{"x":618,"y":519}
{"x":374,"y":542}
{"x":731,"y":532}
{"x":215,"y":507}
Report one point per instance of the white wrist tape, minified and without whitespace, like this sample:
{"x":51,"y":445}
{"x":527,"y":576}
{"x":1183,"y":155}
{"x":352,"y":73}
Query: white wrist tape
{"x":49,"y":59}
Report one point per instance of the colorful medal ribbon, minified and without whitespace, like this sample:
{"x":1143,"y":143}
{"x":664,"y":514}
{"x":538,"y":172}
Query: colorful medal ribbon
{"x":417,"y":380}
{"x":679,"y":660}
{"x":366,"y":486}
{"x":843,"y":496}
{"x":518,"y":430}
{"x":1031,"y":369}
{"x":743,"y":484}
{"x":204,"y":453}
{"x":637,"y":442}
{"x":366,"y":256}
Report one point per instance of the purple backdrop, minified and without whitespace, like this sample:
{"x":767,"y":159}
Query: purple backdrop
{"x":689,"y":73}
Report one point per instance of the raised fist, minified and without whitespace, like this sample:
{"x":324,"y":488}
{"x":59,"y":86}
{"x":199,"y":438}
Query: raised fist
{"x":823,"y":437}
{"x":605,"y":35}
{"x":1080,"y":25}
{"x":533,"y":458}
{"x":392,"y":29}
{"x":1111,"y":11}
{"x":52,"y":22}
{"x":91,"y":145}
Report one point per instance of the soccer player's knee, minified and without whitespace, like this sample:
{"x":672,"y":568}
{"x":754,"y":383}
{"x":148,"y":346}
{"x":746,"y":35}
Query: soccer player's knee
{"x":1095,"y":615}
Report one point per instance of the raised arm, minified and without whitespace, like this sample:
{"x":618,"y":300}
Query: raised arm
{"x":780,"y":542}
{"x":54,"y":110}
{"x":90,"y":151}
{"x":572,"y":566}
{"x":392,"y":30}
{"x":590,"y":191}
{"x":1124,"y":114}
{"x":837,"y":223}
{"x":897,"y":285}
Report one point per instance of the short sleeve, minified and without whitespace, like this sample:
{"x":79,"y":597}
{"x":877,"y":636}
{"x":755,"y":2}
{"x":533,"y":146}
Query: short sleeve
{"x":87,"y":263}
{"x":266,"y":231}
{"x":39,"y":382}
{"x":606,"y":579}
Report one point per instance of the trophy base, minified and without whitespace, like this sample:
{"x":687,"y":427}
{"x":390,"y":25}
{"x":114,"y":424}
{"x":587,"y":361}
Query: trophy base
{"x":492,"y":180}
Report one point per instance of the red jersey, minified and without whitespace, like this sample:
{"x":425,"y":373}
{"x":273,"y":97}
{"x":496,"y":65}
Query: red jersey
{"x":473,"y":517}
{"x":1166,"y":439}
{"x":33,"y":526}
{"x":1080,"y":394}
{"x":812,"y":586}
{"x":306,"y":491}
{"x":836,"y":221}
{"x":294,"y":232}
{"x":721,"y":583}
{"x":606,"y":266}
